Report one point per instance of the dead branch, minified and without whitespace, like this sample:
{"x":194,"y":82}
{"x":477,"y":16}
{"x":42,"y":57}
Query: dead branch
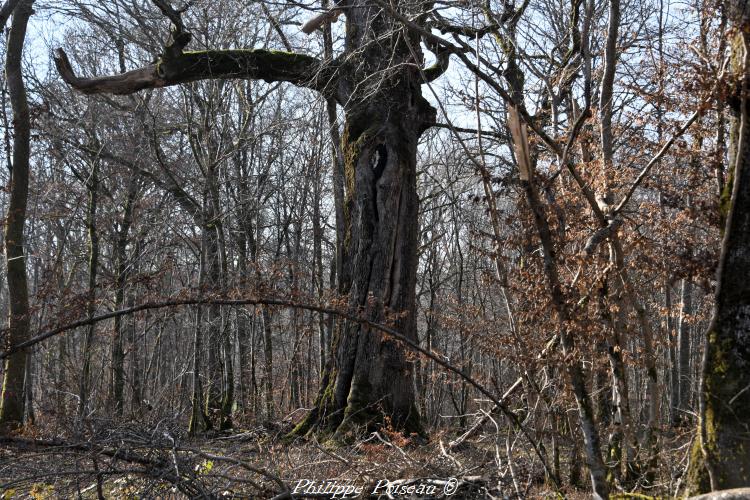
{"x":329,"y":16}
{"x":255,"y":64}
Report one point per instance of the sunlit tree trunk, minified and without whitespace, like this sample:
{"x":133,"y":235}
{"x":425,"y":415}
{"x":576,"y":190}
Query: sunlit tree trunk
{"x":683,"y":351}
{"x":721,"y":457}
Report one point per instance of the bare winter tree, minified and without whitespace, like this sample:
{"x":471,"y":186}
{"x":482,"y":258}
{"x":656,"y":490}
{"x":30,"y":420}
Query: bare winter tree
{"x":377,"y":80}
{"x":231,"y":246}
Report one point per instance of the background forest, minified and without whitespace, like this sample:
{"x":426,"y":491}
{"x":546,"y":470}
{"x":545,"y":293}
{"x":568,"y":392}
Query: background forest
{"x":443,"y":239}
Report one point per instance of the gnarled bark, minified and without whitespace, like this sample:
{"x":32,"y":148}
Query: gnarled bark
{"x":368,"y":380}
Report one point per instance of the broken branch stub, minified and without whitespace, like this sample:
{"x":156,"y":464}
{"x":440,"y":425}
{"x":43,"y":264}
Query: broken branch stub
{"x":179,"y":38}
{"x":329,"y":16}
{"x":520,"y":142}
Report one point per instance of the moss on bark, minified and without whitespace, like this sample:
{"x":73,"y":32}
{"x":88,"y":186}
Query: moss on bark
{"x":269,"y":65}
{"x":720,"y":458}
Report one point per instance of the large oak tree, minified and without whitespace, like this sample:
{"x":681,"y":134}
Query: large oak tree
{"x":377,"y":79}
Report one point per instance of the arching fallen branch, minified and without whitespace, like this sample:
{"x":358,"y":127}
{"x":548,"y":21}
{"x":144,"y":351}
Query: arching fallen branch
{"x":193,"y":301}
{"x":270,"y":301}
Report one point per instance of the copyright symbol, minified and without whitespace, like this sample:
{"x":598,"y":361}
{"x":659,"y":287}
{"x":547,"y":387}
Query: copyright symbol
{"x":451,"y":487}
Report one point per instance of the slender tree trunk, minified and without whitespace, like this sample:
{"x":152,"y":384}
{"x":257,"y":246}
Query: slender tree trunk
{"x":268,"y":359}
{"x":88,"y":341}
{"x":253,"y":357}
{"x":606,"y":93}
{"x":338,"y":181}
{"x":12,"y":398}
{"x":628,"y":300}
{"x":136,"y":377}
{"x":601,"y":386}
{"x":117,"y":376}
{"x":242,"y":329}
{"x":266,"y":324}
{"x":244,"y":237}
{"x":337,"y":159}
{"x":683,"y":352}
{"x":674,"y":390}
{"x":199,"y":421}
{"x":318,"y":263}
{"x":220,"y":390}
{"x":6,"y":11}
{"x":597,"y":470}
{"x":213,"y":328}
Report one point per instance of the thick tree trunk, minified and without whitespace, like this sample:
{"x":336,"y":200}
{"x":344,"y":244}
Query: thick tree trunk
{"x":369,"y":381}
{"x":370,"y":376}
{"x":12,"y":398}
{"x":721,"y":458}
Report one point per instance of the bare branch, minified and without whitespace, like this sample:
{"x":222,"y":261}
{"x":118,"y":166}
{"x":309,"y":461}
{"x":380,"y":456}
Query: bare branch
{"x":441,"y":64}
{"x":657,"y":157}
{"x":199,"y":301}
{"x":600,"y":235}
{"x":179,"y":38}
{"x":174,"y":15}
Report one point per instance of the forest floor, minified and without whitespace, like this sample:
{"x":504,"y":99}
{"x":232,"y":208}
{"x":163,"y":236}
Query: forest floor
{"x":159,"y":460}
